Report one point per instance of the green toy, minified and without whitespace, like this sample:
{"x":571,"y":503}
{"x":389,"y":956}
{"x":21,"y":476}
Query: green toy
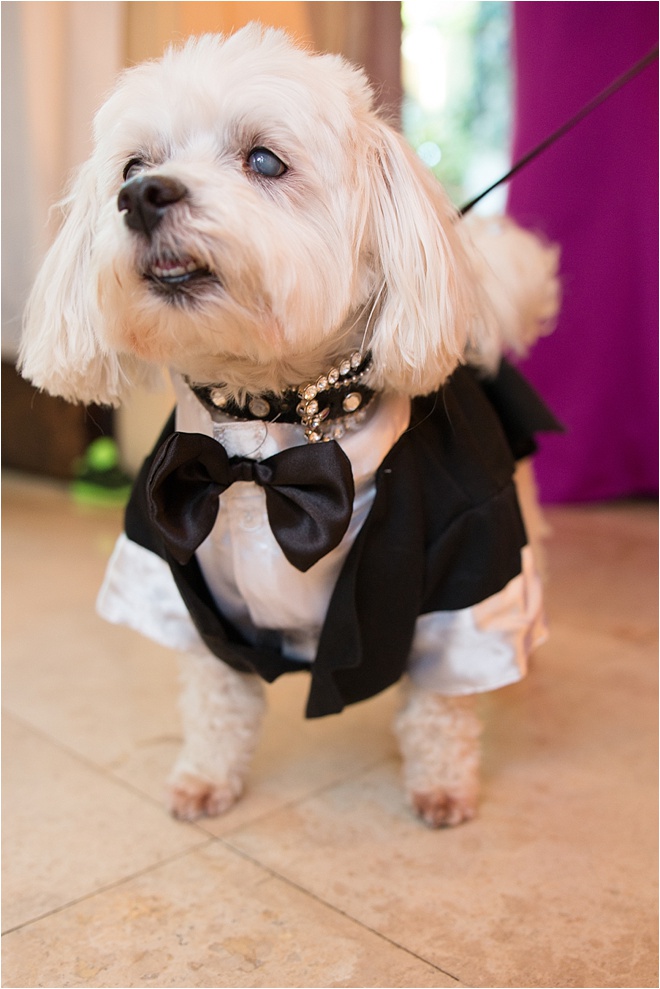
{"x":99,"y":478}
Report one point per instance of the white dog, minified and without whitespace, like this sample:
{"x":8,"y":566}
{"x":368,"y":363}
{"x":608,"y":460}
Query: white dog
{"x":249,"y":222}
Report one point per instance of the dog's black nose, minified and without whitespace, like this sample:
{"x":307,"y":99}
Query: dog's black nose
{"x":145,"y":199}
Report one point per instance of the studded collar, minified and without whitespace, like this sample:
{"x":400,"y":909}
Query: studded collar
{"x":324,"y":407}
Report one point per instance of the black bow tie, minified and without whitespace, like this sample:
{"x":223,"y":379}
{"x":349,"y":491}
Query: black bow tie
{"x":309,"y":494}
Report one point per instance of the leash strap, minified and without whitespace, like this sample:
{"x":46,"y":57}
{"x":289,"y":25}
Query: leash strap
{"x":618,"y":83}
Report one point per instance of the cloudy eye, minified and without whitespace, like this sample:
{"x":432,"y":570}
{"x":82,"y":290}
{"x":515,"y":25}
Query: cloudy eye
{"x":264,"y":162}
{"x":132,"y":168}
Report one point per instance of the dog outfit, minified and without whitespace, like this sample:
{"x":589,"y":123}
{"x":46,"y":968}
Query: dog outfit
{"x":432,"y":578}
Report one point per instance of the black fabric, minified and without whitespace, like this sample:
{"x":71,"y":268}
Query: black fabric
{"x":285,"y":406}
{"x":309,"y":494}
{"x":520,"y":410}
{"x":444,"y":532}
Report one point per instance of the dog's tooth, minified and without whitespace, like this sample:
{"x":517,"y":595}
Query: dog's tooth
{"x":166,"y":270}
{"x":172,"y":271}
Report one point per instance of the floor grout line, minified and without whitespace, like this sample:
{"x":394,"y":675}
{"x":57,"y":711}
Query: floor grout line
{"x":302,"y":798}
{"x":109,"y":774}
{"x":268,"y":870}
{"x":200,"y":847}
{"x":209,"y":840}
{"x":335,"y":909}
{"x":107,"y":887}
{"x":85,"y":761}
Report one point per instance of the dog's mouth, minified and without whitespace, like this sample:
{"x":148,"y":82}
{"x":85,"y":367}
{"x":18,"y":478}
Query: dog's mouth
{"x":171,"y":275}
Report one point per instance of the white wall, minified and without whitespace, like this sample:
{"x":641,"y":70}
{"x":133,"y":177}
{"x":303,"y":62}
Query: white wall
{"x":58,"y":60}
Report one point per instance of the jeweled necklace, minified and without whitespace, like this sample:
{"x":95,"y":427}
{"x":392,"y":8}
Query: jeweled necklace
{"x":337,"y":400}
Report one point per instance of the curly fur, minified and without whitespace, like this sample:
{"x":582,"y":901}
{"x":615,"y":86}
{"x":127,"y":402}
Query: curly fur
{"x":356,"y":245}
{"x":442,"y":780}
{"x":222,"y":711}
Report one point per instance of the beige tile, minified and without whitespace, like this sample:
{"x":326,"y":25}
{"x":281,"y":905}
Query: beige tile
{"x":101,"y":690}
{"x":73,"y":673}
{"x":603,"y":562}
{"x":299,"y":757}
{"x":64,"y":670}
{"x":129,"y":684}
{"x":589,"y":703}
{"x":554,"y":883}
{"x":535,"y":901}
{"x":52,"y":547}
{"x":208,"y":919}
{"x":551,"y":885}
{"x":295,"y":757}
{"x":68,"y":830}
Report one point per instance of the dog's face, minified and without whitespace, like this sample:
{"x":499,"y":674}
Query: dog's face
{"x":246,"y":218}
{"x":237,"y":242}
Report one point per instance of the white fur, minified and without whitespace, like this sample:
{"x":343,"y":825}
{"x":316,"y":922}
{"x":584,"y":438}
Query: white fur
{"x":442,"y":778}
{"x":222,"y":711}
{"x":357,"y":245}
{"x":517,"y":271}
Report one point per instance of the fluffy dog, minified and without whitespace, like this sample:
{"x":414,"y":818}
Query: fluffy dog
{"x":249,"y":222}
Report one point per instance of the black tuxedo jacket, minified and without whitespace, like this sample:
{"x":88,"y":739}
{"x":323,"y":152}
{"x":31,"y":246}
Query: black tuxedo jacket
{"x":444,"y":532}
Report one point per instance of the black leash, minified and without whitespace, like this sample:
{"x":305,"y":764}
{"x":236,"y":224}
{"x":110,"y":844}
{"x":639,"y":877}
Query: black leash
{"x":618,"y":83}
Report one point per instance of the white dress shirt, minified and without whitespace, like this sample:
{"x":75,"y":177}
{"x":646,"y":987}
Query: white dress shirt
{"x":454,"y":652}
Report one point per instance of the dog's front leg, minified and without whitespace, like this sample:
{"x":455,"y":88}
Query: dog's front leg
{"x":439,"y":742}
{"x":222,"y":712}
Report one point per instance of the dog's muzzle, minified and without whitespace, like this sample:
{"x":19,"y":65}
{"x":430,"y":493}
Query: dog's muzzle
{"x":145,"y":200}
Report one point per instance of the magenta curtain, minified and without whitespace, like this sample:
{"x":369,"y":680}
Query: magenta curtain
{"x":595,"y":193}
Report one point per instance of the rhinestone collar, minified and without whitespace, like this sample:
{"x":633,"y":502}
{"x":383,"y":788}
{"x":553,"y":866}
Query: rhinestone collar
{"x":325,"y":408}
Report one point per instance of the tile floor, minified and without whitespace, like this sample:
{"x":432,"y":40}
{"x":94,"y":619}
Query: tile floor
{"x":321,"y":877}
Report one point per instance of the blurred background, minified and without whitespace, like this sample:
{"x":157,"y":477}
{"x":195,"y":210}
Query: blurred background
{"x":473,"y":86}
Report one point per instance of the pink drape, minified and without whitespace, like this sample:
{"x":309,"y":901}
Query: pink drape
{"x":594,"y":192}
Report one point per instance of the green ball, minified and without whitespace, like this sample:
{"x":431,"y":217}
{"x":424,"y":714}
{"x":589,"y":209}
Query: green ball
{"x":102,"y":454}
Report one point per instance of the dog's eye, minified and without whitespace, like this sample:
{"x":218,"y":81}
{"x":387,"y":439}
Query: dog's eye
{"x":264,"y":162}
{"x":132,"y":167}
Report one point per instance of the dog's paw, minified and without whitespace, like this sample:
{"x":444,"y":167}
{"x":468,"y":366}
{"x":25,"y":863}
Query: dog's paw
{"x":440,"y":808}
{"x":190,"y":797}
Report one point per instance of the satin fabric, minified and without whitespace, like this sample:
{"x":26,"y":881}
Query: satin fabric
{"x":436,"y":528}
{"x":308,"y":490}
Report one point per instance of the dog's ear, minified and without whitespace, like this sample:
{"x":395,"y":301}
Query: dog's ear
{"x":62,"y":349}
{"x":429,"y":310}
